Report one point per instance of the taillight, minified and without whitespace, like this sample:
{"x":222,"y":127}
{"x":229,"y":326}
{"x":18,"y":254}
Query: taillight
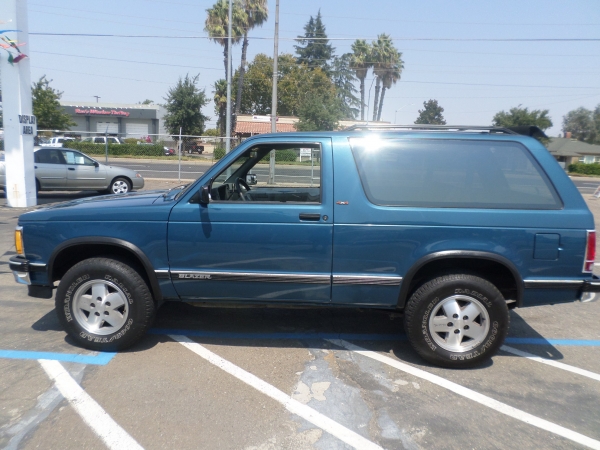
{"x":590,"y":252}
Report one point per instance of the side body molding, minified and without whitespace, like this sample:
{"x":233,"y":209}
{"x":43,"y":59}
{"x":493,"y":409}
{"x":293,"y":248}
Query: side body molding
{"x":114,"y":242}
{"x":454,"y":254}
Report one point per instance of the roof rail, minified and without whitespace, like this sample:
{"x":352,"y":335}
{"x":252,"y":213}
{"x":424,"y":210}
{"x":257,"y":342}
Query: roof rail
{"x":424,"y":127}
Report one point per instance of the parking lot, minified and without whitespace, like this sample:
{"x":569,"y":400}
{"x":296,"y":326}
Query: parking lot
{"x":303,"y":378}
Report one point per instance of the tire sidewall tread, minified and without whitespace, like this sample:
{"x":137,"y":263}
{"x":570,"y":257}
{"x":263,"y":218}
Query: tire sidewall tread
{"x":431,"y":293}
{"x":141,"y":303}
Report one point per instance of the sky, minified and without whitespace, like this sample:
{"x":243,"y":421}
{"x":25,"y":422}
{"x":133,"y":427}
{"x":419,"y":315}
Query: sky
{"x":445,"y":46}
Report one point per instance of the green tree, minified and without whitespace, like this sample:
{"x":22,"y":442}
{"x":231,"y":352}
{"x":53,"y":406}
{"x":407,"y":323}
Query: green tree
{"x":390,"y":76}
{"x":518,"y":116}
{"x":46,"y":107}
{"x":343,"y":78}
{"x":184,"y":107}
{"x":431,"y":114}
{"x":220,"y":99}
{"x":146,"y":102}
{"x":319,"y":114}
{"x":299,"y":91}
{"x":258,"y":85}
{"x":257,"y":12}
{"x":596,"y":117}
{"x":361,"y":63}
{"x":384,"y":57}
{"x":580,"y":122}
{"x":314,"y":48}
{"x":217,"y":25}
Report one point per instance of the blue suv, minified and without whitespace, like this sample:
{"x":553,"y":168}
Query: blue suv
{"x":451,"y":225}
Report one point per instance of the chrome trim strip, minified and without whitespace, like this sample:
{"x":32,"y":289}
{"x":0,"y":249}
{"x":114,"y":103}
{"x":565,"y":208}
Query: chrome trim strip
{"x":370,"y":280}
{"x":22,"y":277}
{"x":552,"y":283}
{"x":162,"y":274}
{"x":37,"y":264}
{"x":251,"y":276}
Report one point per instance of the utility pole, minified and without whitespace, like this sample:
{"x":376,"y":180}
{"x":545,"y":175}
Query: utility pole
{"x":274,"y":97}
{"x":97,"y":97}
{"x":228,"y":118}
{"x":20,"y":125}
{"x":275,"y":58}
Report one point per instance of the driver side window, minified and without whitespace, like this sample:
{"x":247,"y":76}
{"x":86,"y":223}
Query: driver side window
{"x":291,"y":175}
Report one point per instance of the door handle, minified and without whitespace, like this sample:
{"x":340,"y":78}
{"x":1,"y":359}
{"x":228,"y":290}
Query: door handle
{"x":71,"y":168}
{"x":35,"y":167}
{"x":313,"y":217}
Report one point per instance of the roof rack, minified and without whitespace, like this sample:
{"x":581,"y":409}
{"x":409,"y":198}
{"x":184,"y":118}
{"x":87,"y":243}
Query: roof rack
{"x":424,"y":127}
{"x":524,"y":130}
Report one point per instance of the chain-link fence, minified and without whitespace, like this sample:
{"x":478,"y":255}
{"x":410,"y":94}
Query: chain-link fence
{"x":183,"y":158}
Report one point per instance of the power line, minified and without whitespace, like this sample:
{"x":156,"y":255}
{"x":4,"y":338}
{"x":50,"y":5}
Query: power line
{"x":147,"y":36}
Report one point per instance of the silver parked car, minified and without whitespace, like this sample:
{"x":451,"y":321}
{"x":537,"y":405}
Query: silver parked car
{"x":62,"y":169}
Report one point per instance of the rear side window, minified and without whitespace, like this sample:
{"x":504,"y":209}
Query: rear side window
{"x":452,"y":174}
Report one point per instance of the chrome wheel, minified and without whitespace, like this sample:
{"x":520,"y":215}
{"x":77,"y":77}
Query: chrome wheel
{"x":119,"y":186}
{"x":100,"y":307}
{"x":459,"y":323}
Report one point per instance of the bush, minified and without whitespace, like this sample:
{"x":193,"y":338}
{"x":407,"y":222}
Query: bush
{"x":116,"y":149}
{"x":587,"y":169}
{"x":282,"y":156}
{"x":219,"y":152}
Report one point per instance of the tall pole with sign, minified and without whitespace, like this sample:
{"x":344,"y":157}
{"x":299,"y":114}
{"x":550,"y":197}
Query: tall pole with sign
{"x":19,"y":123}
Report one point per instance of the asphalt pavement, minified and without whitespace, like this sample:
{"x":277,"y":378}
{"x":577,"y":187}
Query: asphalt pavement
{"x":270,"y":378}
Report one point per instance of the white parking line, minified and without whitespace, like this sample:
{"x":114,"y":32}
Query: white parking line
{"x":568,"y":368}
{"x":91,"y":412}
{"x":472,"y":395}
{"x":344,"y":434}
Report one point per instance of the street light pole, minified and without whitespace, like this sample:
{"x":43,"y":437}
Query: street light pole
{"x":228,"y":118}
{"x":274,"y":96}
{"x":399,"y":109}
{"x":369,"y":100}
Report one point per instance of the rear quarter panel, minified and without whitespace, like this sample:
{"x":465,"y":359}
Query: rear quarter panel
{"x":371,"y":239}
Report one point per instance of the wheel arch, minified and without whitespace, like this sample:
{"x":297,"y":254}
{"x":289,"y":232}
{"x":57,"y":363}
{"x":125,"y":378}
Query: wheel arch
{"x":495,"y":268}
{"x":75,"y":250}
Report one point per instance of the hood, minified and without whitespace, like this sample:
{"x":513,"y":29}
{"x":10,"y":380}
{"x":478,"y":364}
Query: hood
{"x":131,"y":207}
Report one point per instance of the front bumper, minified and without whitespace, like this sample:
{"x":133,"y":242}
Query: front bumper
{"x":21,"y":268}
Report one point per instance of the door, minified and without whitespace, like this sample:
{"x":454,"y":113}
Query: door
{"x":50,"y":168}
{"x":265,"y":235}
{"x":82,"y":172}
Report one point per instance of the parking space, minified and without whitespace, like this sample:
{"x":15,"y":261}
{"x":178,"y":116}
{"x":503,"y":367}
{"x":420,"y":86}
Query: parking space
{"x":268,"y":378}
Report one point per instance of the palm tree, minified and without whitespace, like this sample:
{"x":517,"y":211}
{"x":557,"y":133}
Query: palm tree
{"x":361,"y":63}
{"x":257,"y":12}
{"x":390,"y":77}
{"x":382,"y":56}
{"x":220,"y":98}
{"x":217,"y":25}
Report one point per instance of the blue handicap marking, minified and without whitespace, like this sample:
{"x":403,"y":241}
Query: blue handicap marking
{"x":102,"y":358}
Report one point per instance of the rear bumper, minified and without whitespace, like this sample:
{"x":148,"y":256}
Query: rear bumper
{"x":588,"y":289}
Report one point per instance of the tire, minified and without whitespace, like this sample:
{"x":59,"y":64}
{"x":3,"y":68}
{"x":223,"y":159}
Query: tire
{"x":125,"y":310}
{"x":119,"y":185}
{"x":473,"y":333}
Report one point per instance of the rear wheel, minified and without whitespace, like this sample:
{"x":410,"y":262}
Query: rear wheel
{"x":456,"y":320}
{"x":104,"y":304}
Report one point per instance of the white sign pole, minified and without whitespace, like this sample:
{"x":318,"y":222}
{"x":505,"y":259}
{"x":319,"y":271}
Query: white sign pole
{"x":19,"y":123}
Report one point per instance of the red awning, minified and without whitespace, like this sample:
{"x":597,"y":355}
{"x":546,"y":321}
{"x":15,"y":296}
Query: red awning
{"x":262,"y":127}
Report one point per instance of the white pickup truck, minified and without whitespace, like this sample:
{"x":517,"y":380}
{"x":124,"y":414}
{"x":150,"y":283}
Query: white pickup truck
{"x":56,"y":141}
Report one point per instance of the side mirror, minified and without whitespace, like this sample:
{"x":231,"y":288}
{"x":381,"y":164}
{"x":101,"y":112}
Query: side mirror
{"x":96,"y":164}
{"x":251,"y":179}
{"x":205,"y":194}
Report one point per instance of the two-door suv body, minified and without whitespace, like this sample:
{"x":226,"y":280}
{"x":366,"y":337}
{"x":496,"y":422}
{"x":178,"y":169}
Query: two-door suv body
{"x":451,"y":225}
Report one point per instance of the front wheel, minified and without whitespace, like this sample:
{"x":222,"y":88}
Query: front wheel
{"x":457,"y":320}
{"x":119,"y":185}
{"x":104,"y":304}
